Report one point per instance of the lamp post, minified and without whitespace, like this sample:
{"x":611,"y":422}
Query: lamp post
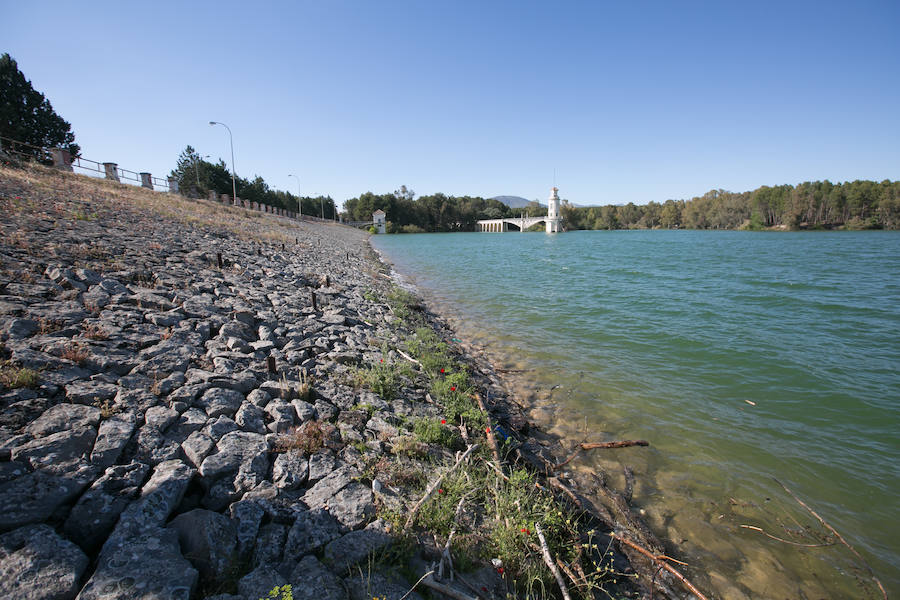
{"x":231,"y":141}
{"x":299,"y":206}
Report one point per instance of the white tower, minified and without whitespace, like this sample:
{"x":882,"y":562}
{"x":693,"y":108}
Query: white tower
{"x":553,"y":212}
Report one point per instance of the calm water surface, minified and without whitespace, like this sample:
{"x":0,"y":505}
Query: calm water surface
{"x":741,"y":356}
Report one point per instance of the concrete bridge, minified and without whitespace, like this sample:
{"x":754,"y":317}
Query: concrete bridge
{"x":551,"y":220}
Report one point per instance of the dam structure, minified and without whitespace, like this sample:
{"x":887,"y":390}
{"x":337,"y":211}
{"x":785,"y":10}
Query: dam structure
{"x":552,"y":220}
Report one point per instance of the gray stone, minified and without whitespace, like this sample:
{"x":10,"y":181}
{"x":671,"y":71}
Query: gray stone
{"x":191,"y":420}
{"x":160,"y":417}
{"x":143,"y":298}
{"x":318,"y":495}
{"x":208,"y":540}
{"x":146,"y":565}
{"x":312,"y":530}
{"x":355,"y":546}
{"x":290,"y":470}
{"x":259,"y":397}
{"x":164,"y":359}
{"x":21,"y":328}
{"x":270,"y":544}
{"x":159,"y":498}
{"x":321,"y":464}
{"x":64,"y":416}
{"x":370,"y":585}
{"x":282,"y":415}
{"x":96,"y":512}
{"x":166,"y":319}
{"x":219,"y":401}
{"x":36,"y":563}
{"x":237,"y":450}
{"x":170,"y":384}
{"x":57,"y":452}
{"x":112,"y":436}
{"x":153,"y":447}
{"x":33,"y":497}
{"x":113,"y":287}
{"x":90,"y":392}
{"x":326,"y":411}
{"x":247,"y":516}
{"x":259,"y":582}
{"x":218,"y":428}
{"x":251,"y":418}
{"x":312,"y":581}
{"x":197,"y":446}
{"x":11,"y":470}
{"x":305,"y":411}
{"x":353,"y":506}
{"x":235,"y":329}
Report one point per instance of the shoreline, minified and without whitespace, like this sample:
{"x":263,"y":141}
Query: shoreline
{"x":226,"y":402}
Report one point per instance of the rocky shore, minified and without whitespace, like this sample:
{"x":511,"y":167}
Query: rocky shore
{"x":199,"y":401}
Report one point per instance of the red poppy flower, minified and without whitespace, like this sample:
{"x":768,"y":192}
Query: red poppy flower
{"x":443,"y":421}
{"x":487,"y":429}
{"x":441,"y":491}
{"x":453,"y":388}
{"x":500,"y":570}
{"x":442,"y":370}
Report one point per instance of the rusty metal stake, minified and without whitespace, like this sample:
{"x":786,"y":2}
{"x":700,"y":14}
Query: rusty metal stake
{"x":219,"y":259}
{"x":312,"y":299}
{"x":271,"y":364}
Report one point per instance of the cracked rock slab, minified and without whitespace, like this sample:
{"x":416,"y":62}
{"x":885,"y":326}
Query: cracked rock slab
{"x":37,"y":564}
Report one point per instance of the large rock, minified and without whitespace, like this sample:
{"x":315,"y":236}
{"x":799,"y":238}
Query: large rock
{"x":159,"y":498}
{"x":64,"y":416}
{"x":96,"y":512}
{"x":153,"y":447}
{"x":112,"y":437}
{"x":197,"y":446}
{"x":318,"y":495}
{"x":208,"y":540}
{"x":312,"y":530}
{"x":221,"y":401}
{"x":247,"y":516}
{"x":251,"y":418}
{"x":310,"y":580}
{"x":355,"y":546}
{"x":37,"y":564}
{"x":353,"y":506}
{"x":58,"y":453}
{"x":160,"y":417}
{"x":90,"y":392}
{"x":368,"y":585}
{"x":146,"y":565}
{"x":259,"y":582}
{"x":290,"y":470}
{"x":33,"y":497}
{"x":237,"y":450}
{"x":270,"y":544}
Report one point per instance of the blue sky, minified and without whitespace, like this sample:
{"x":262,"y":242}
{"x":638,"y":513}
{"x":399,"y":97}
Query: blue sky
{"x":627,"y":101}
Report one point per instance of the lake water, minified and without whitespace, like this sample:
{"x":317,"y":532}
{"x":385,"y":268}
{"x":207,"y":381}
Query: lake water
{"x":740,"y":356}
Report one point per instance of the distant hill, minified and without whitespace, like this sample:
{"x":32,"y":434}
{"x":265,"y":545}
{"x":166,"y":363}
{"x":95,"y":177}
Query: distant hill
{"x":512,"y":201}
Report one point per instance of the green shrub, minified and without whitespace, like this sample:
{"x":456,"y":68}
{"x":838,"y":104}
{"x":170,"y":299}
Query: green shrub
{"x":432,"y":431}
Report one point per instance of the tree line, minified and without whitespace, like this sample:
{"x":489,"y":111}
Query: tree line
{"x":860,"y":204}
{"x":197,"y":176}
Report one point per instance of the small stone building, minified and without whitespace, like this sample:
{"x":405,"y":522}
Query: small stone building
{"x":378,"y":218}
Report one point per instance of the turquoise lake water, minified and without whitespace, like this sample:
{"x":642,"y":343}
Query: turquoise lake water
{"x":740,"y":356}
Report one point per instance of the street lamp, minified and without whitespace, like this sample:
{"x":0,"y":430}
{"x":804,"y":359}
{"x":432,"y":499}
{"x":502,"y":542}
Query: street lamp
{"x":299,"y":206}
{"x":231,"y":141}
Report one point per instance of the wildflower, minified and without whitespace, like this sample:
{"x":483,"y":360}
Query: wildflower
{"x":442,"y":370}
{"x":443,"y":421}
{"x":487,"y":429}
{"x":441,"y":491}
{"x":453,"y":388}
{"x":526,"y":531}
{"x":382,"y":360}
{"x":500,"y":570}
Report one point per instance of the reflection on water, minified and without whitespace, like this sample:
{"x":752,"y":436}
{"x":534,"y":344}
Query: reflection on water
{"x":741,"y":357}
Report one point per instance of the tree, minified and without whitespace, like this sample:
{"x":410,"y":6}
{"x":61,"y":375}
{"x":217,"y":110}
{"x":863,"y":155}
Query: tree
{"x":27,"y":116}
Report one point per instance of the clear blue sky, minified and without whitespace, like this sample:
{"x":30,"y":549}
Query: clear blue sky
{"x":628,"y":101}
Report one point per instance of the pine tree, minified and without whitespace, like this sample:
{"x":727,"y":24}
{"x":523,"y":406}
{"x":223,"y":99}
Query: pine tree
{"x":27,"y":116}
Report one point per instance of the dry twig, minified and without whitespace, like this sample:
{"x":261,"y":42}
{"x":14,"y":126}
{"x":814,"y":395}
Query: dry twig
{"x":444,"y":589}
{"x":430,"y":491}
{"x":660,"y":559}
{"x":839,"y":536}
{"x":408,"y":357}
{"x":597,"y":446}
{"x":775,"y":537}
{"x":548,"y":560}
{"x":492,"y":441}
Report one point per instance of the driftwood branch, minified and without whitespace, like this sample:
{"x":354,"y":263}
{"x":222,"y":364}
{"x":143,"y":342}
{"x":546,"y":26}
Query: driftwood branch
{"x":599,"y":446}
{"x":430,"y":491}
{"x":838,"y":536}
{"x":444,"y":589}
{"x":775,"y":537}
{"x":660,"y":559}
{"x":548,"y":559}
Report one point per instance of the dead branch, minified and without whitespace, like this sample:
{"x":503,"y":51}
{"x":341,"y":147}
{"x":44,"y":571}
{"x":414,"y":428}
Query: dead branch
{"x":598,"y":446}
{"x":430,"y":491}
{"x":404,"y":596}
{"x":838,"y":536}
{"x":629,"y":484}
{"x":660,"y":559}
{"x":775,"y":537}
{"x":548,"y":560}
{"x":444,"y":589}
{"x":408,"y":357}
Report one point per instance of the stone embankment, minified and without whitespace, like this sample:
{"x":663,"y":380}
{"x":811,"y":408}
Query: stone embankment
{"x":184,"y":409}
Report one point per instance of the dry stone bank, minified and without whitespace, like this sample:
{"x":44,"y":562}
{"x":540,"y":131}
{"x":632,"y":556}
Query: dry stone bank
{"x":177,"y":420}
